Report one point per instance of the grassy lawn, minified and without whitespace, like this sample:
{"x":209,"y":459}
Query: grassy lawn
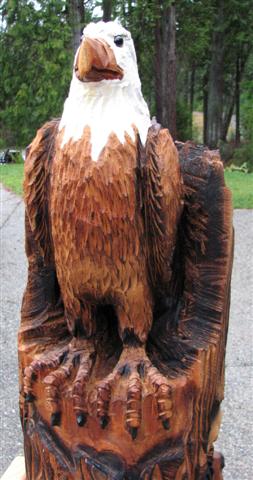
{"x":240,"y":183}
{"x":11,"y":175}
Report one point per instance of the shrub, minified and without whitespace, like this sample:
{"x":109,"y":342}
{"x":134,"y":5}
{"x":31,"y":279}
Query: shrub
{"x":184,"y":122}
{"x":244,"y":154}
{"x":226,"y":151}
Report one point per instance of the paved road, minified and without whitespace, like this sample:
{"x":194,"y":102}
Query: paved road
{"x":13,"y":277}
{"x":236,"y":436}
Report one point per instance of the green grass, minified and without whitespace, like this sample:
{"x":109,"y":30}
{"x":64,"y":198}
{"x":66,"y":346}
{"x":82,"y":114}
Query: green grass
{"x":11,"y":175}
{"x":240,"y":183}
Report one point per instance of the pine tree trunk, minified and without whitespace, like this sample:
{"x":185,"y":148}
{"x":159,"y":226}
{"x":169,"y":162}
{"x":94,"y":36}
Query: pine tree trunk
{"x":241,"y":61}
{"x":237,"y":102}
{"x":215,"y":81}
{"x":76,"y":17}
{"x":107,"y":10}
{"x":227,"y":119}
{"x":165,"y":67}
{"x":192,"y":87}
{"x":205,"y":105}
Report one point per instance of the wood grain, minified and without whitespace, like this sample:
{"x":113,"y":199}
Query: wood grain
{"x":125,"y":313}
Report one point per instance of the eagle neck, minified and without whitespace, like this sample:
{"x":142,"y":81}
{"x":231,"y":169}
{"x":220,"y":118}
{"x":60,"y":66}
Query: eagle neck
{"x":108,"y":107}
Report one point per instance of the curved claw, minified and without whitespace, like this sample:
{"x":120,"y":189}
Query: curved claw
{"x":37,"y":366}
{"x":85,"y":365}
{"x":166,"y":424}
{"x":133,"y":432}
{"x":164,"y":405}
{"x":134,"y":404}
{"x":104,"y":421}
{"x":104,"y":390}
{"x":53,"y":381}
{"x":55,"y":419}
{"x":81,"y":419}
{"x":163,"y":394}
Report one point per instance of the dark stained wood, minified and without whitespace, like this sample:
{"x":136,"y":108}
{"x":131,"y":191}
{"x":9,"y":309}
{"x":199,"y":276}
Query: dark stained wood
{"x":125,"y":313}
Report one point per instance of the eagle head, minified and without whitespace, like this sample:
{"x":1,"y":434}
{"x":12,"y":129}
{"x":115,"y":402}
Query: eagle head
{"x":106,"y":54}
{"x":105,"y":92}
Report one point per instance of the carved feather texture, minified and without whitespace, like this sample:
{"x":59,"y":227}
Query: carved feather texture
{"x":36,"y":186}
{"x":161,"y":192}
{"x":98,"y":231}
{"x":197,"y":307}
{"x":101,"y":215}
{"x":207,"y":232}
{"x":143,"y":266}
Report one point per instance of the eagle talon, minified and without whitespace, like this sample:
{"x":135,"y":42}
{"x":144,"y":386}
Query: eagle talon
{"x":37,"y":367}
{"x":104,"y":421}
{"x":55,"y":419}
{"x":133,"y":432}
{"x":81,"y":419}
{"x":133,"y":368}
{"x":166,"y":424}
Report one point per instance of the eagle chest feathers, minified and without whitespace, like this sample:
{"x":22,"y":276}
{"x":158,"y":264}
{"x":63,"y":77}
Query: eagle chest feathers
{"x":97,"y":225}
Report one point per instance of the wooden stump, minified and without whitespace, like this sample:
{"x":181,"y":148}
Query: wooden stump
{"x":186,"y":345}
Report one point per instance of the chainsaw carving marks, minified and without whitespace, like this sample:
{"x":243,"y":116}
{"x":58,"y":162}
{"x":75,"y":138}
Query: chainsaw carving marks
{"x":113,"y":389}
{"x":100,"y":246}
{"x":48,"y":457}
{"x":85,"y":462}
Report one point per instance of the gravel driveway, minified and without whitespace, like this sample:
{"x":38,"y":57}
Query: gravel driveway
{"x":236,"y":436}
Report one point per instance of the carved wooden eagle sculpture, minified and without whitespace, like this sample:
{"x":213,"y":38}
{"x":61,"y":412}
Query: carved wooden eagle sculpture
{"x":122,"y":294}
{"x":87,"y":215}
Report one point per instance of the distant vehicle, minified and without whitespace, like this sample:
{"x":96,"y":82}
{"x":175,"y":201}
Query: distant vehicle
{"x":10,"y":155}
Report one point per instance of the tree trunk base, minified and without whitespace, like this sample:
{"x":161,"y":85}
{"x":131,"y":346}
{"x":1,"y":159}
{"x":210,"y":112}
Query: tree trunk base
{"x":69,"y":452}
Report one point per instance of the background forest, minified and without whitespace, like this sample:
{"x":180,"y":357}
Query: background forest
{"x":193,"y":55}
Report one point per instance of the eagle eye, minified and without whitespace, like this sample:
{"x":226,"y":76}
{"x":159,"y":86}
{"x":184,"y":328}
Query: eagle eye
{"x":119,"y":41}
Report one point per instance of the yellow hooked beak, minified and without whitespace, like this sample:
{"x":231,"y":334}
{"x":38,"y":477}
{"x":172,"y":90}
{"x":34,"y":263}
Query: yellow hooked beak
{"x":96,"y":61}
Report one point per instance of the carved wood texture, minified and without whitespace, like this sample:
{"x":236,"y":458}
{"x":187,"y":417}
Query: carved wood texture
{"x":125,"y":313}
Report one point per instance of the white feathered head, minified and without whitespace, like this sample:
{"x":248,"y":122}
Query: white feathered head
{"x":106,"y":54}
{"x":105,"y":92}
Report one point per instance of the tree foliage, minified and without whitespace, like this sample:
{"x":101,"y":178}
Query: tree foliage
{"x":35,"y":60}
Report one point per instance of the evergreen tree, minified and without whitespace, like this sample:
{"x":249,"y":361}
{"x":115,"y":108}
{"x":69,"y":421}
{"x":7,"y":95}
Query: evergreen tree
{"x":35,"y":63}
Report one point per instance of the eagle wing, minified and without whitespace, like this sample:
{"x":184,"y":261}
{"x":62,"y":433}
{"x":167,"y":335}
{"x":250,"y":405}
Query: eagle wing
{"x":41,"y":300}
{"x":193,"y":314}
{"x":36,"y":186}
{"x":203,"y":259}
{"x":161,"y":203}
{"x":187,"y":341}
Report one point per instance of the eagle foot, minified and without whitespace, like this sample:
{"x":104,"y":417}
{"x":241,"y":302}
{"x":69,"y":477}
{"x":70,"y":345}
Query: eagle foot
{"x":136,"y":369}
{"x":37,"y":367}
{"x":78,"y":354}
